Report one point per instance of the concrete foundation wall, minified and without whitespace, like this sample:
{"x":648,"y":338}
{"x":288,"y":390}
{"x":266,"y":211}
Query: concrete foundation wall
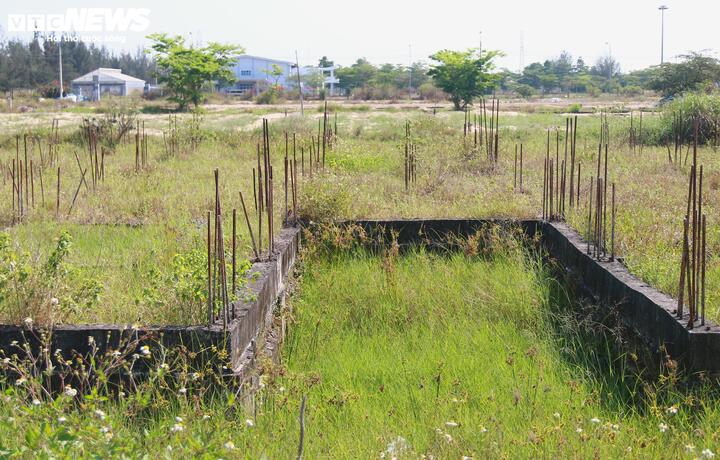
{"x":647,"y":311}
{"x":265,"y":285}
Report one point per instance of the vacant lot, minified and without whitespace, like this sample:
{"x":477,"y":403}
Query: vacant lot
{"x":138,"y":238}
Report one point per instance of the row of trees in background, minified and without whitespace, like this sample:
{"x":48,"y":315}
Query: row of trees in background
{"x":364,"y":80}
{"x":459,"y":75}
{"x":692,"y":72}
{"x":563,"y":74}
{"x":35,"y":63}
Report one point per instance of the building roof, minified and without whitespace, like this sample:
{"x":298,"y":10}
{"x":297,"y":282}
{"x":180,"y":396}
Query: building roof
{"x":107,"y":75}
{"x":260,"y":58}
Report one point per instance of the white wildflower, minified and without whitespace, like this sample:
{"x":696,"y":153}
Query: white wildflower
{"x":662,"y":427}
{"x":483,"y":429}
{"x":177,"y":428}
{"x":6,"y":361}
{"x":20,"y":381}
{"x":14,"y":343}
{"x":249,"y":423}
{"x":206,"y":417}
{"x":689,"y":448}
{"x":556,"y":415}
{"x":578,"y":430}
{"x":594,"y":420}
{"x":395,"y":447}
{"x":36,"y":402}
{"x":707,"y":453}
{"x":672,"y":410}
{"x":28,"y":322}
{"x":145,"y":350}
{"x":178,"y":419}
{"x":104,"y":429}
{"x":448,"y":438}
{"x":54,"y":301}
{"x":62,"y":419}
{"x":100,"y":414}
{"x":451,"y":424}
{"x":70,"y":391}
{"x":195,"y":375}
{"x":182,"y":391}
{"x":229,"y":445}
{"x":91,"y":340}
{"x":116,"y":353}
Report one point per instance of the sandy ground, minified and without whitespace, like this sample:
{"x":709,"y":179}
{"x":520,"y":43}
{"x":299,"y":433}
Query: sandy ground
{"x":227,"y":113}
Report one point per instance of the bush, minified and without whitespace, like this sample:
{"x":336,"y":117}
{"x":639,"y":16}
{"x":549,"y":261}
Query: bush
{"x":428,"y":91}
{"x":705,"y":108}
{"x":270,"y":96}
{"x":524,"y":91}
{"x":575,"y":108}
{"x":632,"y":90}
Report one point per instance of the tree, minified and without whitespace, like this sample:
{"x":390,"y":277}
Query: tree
{"x":325,"y":62}
{"x":606,"y":67}
{"x":275,"y":72}
{"x":692,"y":74}
{"x":464,"y":75}
{"x":186,"y":69}
{"x":357,"y":75}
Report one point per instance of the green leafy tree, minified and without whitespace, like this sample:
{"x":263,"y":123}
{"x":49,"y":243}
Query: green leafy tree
{"x":275,"y":72}
{"x":186,"y":69}
{"x":695,"y":72}
{"x":464,"y":75}
{"x":357,"y":75}
{"x":325,"y":62}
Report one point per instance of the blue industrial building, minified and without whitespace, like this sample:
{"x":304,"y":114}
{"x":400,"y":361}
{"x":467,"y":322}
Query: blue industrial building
{"x":252,"y":73}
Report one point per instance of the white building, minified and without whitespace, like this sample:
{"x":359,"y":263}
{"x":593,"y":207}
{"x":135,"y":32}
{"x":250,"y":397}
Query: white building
{"x":105,"y":81}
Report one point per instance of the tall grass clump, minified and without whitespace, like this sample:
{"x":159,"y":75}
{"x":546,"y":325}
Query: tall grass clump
{"x":690,"y":108}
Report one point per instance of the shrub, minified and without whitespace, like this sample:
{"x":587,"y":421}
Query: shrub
{"x":632,"y":90}
{"x":46,"y":292}
{"x":428,"y":91}
{"x":705,"y":108}
{"x":575,"y":108}
{"x":324,"y":201}
{"x":270,"y":96}
{"x":524,"y":91}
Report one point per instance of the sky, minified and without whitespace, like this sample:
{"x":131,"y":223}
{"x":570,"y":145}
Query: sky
{"x":402,"y":31}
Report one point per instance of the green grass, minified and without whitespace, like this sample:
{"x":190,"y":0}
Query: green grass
{"x":363,"y":179}
{"x":414,"y":354}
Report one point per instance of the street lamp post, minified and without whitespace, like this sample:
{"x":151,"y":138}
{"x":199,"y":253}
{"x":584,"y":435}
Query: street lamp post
{"x":609,"y":61}
{"x":662,"y":9}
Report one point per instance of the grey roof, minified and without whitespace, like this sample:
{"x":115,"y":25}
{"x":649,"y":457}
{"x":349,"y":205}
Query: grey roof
{"x":107,"y":75}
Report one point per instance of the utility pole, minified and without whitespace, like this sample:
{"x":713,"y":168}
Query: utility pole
{"x":60,"y":59}
{"x":522,"y":51}
{"x":409,"y":70}
{"x":662,"y":9}
{"x":297,"y":67}
{"x":480,"y":44}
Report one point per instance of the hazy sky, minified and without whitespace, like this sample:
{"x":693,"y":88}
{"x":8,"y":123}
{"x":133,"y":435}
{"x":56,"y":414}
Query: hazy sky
{"x":391,"y":31}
